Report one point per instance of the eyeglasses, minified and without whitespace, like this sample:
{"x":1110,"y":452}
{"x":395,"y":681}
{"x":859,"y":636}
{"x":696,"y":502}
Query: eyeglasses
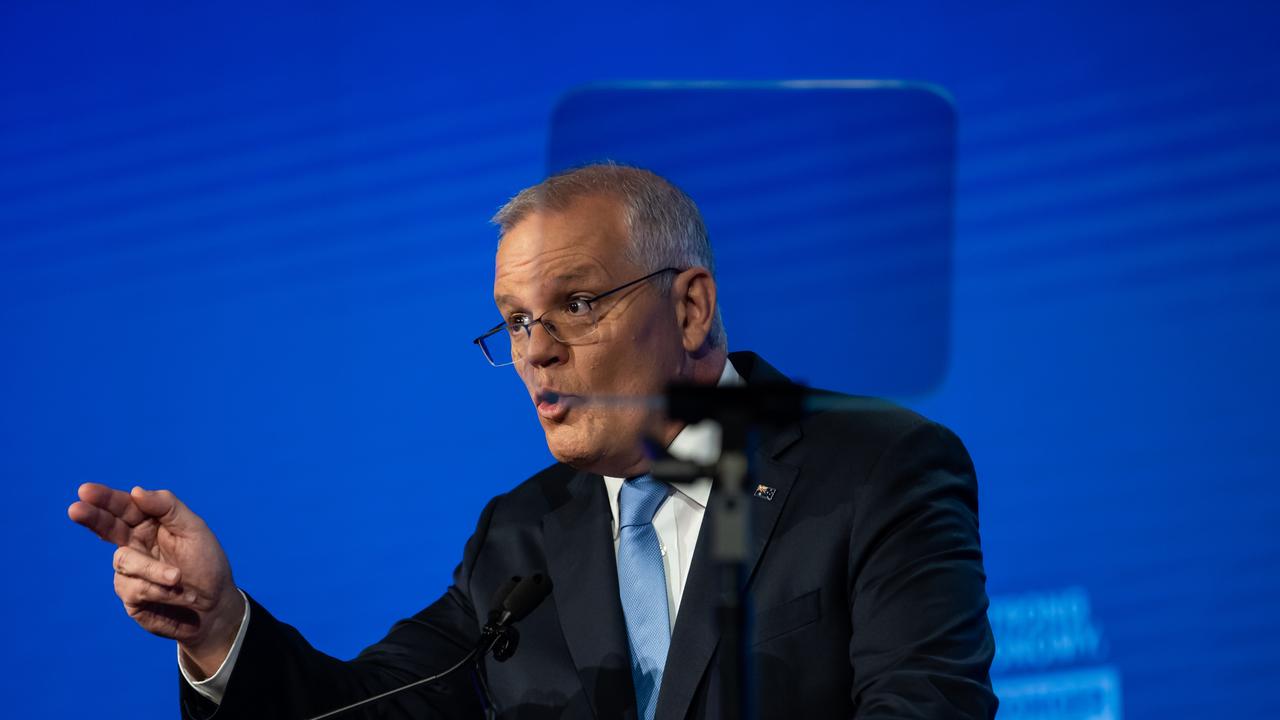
{"x":572,"y":323}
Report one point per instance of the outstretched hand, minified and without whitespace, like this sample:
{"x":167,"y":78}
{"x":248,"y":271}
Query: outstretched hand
{"x":170,"y":571}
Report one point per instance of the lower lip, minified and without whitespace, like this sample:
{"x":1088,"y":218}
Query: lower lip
{"x":554,"y":411}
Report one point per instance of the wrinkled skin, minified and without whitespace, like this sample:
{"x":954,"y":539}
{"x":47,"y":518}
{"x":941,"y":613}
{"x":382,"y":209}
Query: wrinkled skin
{"x":645,"y":338}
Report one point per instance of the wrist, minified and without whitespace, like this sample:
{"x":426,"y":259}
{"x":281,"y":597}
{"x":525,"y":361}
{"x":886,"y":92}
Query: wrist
{"x":205,"y":656}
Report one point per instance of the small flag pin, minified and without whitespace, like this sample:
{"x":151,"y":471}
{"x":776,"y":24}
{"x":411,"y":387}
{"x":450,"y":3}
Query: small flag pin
{"x":766,"y":492}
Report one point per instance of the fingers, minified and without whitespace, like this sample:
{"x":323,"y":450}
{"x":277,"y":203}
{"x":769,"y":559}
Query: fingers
{"x":110,"y":514}
{"x":167,"y":620}
{"x":133,"y":563}
{"x":136,"y":591}
{"x":155,"y":597}
{"x":166,"y":507}
{"x":142,"y":579}
{"x":102,"y":523}
{"x":116,"y":502}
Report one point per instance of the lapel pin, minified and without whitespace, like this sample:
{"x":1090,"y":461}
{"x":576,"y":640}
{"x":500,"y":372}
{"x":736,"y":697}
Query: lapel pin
{"x":766,"y":492}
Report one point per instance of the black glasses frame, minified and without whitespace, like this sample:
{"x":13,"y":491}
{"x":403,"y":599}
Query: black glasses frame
{"x":528,"y":327}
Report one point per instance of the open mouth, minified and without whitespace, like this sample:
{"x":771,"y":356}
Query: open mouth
{"x":553,"y":405}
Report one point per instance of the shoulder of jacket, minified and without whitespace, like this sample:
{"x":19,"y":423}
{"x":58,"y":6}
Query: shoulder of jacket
{"x":543,"y":491}
{"x":874,"y":420}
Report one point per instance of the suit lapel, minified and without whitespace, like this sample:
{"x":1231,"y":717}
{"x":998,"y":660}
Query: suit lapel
{"x":579,"y":544}
{"x":697,"y":631}
{"x":580,"y":558}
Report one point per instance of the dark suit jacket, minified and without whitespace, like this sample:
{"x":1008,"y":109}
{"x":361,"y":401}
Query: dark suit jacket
{"x":866,"y":590}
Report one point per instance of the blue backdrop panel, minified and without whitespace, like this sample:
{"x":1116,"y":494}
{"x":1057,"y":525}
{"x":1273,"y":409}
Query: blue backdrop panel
{"x":857,"y":176}
{"x":243,"y":251}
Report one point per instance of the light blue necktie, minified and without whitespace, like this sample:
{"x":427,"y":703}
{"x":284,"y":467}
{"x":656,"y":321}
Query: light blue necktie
{"x":642,"y":584}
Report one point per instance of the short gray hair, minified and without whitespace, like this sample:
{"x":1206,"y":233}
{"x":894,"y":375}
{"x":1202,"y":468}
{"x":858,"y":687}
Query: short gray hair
{"x":663,"y":223}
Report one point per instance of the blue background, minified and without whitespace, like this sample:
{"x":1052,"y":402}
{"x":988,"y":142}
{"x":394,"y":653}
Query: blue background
{"x":243,"y":251}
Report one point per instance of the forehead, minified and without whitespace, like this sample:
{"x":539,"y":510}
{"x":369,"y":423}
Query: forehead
{"x":584,"y":242}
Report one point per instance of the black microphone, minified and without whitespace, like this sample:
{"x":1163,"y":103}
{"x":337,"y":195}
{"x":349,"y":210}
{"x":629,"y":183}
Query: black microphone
{"x":498,"y":636}
{"x":519,"y":597}
{"x":500,"y":596}
{"x":524,"y":597}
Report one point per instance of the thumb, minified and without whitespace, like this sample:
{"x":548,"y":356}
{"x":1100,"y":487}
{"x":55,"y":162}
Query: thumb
{"x":164,"y":506}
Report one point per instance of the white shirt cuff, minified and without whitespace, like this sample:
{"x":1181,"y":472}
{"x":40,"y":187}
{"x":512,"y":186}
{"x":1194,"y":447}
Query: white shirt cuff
{"x":215,"y":686}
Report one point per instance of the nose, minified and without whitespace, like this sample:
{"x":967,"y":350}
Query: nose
{"x":543,"y":350}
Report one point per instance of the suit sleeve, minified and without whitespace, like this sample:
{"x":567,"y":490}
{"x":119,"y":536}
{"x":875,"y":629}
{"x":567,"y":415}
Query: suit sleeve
{"x":279,"y":675}
{"x":921,"y":645}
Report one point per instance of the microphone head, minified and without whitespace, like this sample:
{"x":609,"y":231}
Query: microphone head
{"x":527,"y":595}
{"x":500,"y":597}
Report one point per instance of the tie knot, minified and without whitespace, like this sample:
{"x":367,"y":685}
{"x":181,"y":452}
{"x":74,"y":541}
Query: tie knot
{"x":639,"y":500}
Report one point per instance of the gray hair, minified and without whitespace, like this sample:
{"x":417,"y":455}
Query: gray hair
{"x":663,"y":223}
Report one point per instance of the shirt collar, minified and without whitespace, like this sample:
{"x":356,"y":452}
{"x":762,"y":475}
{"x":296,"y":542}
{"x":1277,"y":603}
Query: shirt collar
{"x":699,"y":442}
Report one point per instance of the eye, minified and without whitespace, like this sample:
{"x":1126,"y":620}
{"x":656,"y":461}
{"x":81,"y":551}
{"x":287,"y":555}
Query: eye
{"x":517,"y":323}
{"x":577,"y":307}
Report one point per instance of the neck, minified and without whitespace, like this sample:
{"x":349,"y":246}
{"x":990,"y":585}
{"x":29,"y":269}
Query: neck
{"x":702,"y":370}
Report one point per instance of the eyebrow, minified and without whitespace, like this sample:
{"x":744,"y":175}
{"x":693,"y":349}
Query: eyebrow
{"x":575,"y":274}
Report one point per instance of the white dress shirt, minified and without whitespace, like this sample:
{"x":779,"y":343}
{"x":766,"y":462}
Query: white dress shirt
{"x":677,"y":522}
{"x":679,"y":518}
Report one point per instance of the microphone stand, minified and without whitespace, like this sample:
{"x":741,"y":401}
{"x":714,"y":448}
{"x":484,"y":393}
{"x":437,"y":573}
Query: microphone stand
{"x":741,"y":411}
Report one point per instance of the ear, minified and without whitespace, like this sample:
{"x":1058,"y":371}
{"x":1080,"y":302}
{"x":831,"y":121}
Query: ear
{"x":694,"y":295}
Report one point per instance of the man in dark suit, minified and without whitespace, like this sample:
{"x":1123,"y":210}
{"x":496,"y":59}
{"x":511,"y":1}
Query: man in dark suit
{"x":864,"y":580}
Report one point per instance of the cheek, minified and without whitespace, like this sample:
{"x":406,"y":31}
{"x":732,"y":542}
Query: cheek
{"x":525,"y":378}
{"x":631,"y":361}
{"x":658,"y":346}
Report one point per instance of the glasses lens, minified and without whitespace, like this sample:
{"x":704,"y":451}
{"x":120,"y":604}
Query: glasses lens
{"x":572,"y":324}
{"x":497,"y":347}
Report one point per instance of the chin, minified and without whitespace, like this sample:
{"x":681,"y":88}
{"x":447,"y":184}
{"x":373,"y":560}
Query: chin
{"x":593,"y":444}
{"x":568,"y":445}
{"x":578,"y":457}
{"x":583,"y":454}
